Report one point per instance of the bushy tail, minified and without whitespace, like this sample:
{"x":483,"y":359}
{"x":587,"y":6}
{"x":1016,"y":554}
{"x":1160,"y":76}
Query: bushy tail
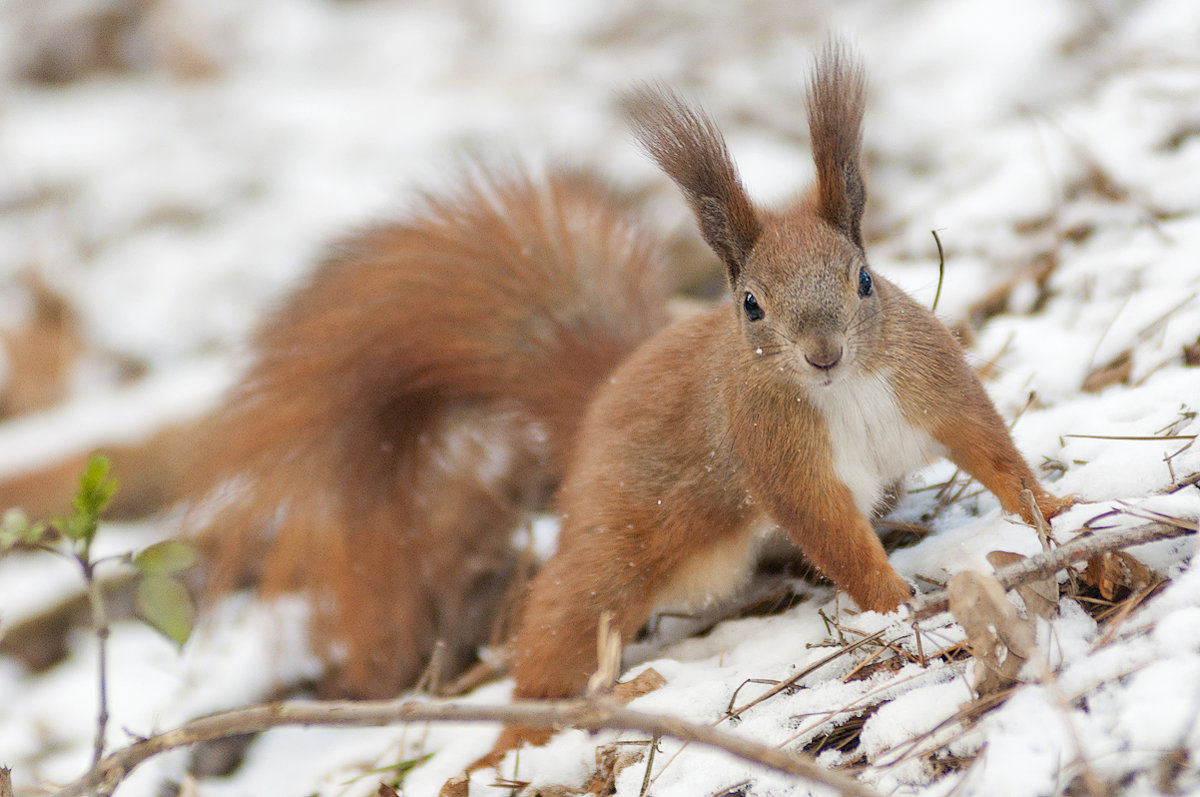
{"x":412,"y":401}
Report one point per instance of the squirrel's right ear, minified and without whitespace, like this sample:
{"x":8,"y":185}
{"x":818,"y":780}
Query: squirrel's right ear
{"x":689,"y":148}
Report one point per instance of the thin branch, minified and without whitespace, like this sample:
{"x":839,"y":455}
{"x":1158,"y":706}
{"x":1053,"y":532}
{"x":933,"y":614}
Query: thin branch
{"x":1186,"y":481}
{"x":1047,"y":564}
{"x":589,"y":715}
{"x":1132,"y":437}
{"x":101,"y":629}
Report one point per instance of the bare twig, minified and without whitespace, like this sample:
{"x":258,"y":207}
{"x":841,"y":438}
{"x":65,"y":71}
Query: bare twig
{"x":1186,"y":481}
{"x":649,"y":766}
{"x":1039,"y":521}
{"x":1129,"y":437}
{"x":1049,"y":563}
{"x":101,"y":629}
{"x":586,"y":714}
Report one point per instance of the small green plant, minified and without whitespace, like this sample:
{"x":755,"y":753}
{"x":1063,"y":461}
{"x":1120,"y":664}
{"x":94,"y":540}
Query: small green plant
{"x":162,"y":599}
{"x":397,"y":772}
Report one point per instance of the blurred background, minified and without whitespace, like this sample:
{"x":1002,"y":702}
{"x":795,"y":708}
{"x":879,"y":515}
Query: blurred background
{"x":169,"y":167}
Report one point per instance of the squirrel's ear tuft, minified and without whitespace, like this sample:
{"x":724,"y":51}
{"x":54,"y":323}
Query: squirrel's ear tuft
{"x":836,"y":98}
{"x":686,"y":144}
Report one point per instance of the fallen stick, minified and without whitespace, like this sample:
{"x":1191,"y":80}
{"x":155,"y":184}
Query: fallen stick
{"x":593,"y":715}
{"x":1048,"y":563}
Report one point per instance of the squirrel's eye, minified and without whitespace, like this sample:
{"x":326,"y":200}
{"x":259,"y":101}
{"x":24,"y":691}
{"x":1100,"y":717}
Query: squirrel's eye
{"x":753,"y":311}
{"x":864,"y":282}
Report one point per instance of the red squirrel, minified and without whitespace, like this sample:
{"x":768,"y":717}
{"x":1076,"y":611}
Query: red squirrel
{"x":440,"y":376}
{"x":794,"y":404}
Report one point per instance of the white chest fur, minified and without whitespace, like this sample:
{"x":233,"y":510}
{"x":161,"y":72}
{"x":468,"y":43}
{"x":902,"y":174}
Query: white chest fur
{"x":873,"y":443}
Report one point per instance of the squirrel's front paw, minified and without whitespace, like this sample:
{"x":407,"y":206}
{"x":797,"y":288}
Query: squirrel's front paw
{"x":1052,"y":505}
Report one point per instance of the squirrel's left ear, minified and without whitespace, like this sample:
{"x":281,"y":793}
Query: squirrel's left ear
{"x":836,"y":99}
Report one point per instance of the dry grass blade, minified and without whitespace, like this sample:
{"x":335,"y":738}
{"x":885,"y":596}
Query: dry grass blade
{"x":1131,"y":437}
{"x":969,"y":711}
{"x":856,"y":706}
{"x":732,"y":713}
{"x":1116,"y":371}
{"x":1122,"y":611}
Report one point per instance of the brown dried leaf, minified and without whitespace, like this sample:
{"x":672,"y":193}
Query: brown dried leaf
{"x":1111,"y":373}
{"x":457,"y":786}
{"x":643,"y":684}
{"x":1111,"y":571}
{"x":1000,"y":639}
{"x":611,"y":761}
{"x":1040,"y":596}
{"x":1191,"y":353}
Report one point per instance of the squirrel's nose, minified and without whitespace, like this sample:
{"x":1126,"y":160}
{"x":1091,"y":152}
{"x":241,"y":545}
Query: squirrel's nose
{"x":824,"y":357}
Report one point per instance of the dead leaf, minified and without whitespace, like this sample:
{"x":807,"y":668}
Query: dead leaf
{"x":1001,"y":640}
{"x":1115,"y":372}
{"x":1191,"y":353}
{"x":1114,"y":570}
{"x":643,"y":684}
{"x":1040,"y":596}
{"x":611,"y":761}
{"x":457,"y":786}
{"x":386,"y":791}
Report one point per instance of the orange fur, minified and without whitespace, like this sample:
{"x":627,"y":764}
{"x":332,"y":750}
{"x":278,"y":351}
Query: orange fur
{"x":414,"y":400}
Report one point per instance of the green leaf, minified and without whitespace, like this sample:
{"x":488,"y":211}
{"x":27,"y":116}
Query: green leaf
{"x":76,"y":527}
{"x":400,"y":770}
{"x":164,"y":603}
{"x":165,"y":558}
{"x":96,"y":487}
{"x":15,"y":529}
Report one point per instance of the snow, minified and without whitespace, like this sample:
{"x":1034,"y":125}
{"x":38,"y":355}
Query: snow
{"x":173,"y":213}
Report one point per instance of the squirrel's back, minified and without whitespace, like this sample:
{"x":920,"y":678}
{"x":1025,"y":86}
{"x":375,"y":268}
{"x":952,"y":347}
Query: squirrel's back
{"x":412,"y":400}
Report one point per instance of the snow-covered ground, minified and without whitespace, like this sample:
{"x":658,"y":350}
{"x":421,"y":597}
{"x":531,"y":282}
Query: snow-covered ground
{"x":171,"y":208}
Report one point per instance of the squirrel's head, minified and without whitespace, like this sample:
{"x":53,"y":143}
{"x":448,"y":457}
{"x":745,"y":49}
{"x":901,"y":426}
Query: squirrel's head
{"x":807,"y":301}
{"x":799,"y":279}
